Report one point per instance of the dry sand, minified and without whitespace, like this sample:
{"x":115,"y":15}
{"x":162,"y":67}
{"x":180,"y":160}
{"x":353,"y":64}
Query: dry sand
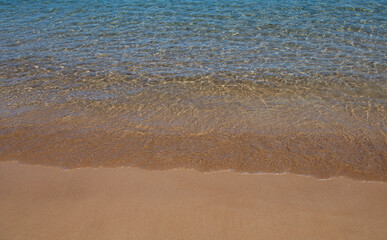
{"x":123,"y":203}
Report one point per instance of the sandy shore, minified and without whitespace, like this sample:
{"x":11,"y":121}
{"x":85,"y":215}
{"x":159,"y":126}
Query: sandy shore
{"x":123,"y":203}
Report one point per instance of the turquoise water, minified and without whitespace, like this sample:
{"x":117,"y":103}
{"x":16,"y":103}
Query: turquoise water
{"x":191,"y":38}
{"x":254,"y":86}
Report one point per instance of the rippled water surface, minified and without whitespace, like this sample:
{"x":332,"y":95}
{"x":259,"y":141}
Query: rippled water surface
{"x":253,"y":86}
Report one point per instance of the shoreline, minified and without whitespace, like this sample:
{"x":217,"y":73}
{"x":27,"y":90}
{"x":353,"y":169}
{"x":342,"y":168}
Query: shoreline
{"x":220,"y":171}
{"x":40,"y":202}
{"x":65,"y":145}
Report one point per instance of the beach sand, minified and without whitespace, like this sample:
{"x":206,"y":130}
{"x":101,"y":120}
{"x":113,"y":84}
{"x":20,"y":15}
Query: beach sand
{"x":38,"y":202}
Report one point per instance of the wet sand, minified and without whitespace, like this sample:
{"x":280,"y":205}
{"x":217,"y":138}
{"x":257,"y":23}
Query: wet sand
{"x":125,"y":203}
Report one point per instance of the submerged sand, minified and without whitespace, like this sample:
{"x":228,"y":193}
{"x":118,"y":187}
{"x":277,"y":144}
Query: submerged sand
{"x":124,"y":203}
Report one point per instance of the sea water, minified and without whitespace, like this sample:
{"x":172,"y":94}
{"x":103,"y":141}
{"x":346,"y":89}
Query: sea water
{"x":253,"y":86}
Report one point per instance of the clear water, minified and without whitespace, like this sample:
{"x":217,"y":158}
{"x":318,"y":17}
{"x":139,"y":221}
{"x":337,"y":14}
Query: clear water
{"x":253,"y":86}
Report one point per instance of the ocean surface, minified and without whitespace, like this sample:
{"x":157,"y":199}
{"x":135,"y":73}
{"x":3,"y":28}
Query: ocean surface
{"x":252,"y":86}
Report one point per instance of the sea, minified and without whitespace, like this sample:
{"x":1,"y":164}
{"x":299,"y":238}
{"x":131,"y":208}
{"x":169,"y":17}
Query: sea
{"x":264,"y":86}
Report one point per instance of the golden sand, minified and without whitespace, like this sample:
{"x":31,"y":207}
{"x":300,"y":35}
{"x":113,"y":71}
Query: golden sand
{"x":124,"y":203}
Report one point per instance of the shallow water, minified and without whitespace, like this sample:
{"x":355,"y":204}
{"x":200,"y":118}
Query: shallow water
{"x":254,"y":86}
